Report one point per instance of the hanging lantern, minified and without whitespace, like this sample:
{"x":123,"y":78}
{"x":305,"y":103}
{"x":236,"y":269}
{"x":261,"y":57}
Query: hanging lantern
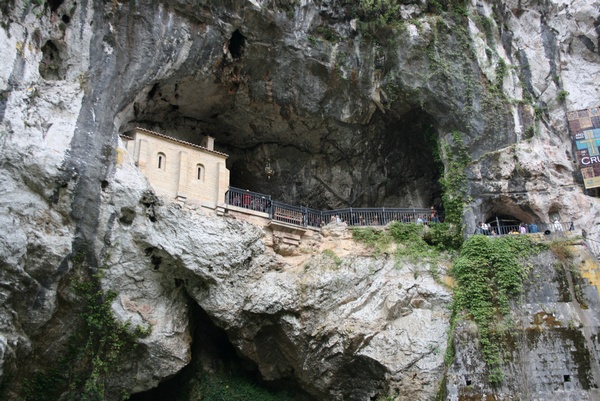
{"x":269,"y":170}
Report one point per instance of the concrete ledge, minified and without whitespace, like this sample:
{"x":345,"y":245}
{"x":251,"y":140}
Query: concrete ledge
{"x":247,"y":211}
{"x":287,"y":228}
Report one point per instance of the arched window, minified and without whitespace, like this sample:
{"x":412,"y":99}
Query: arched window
{"x":199,"y":172}
{"x":162,"y":161}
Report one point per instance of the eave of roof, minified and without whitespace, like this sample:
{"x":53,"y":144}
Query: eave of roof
{"x":170,"y":138}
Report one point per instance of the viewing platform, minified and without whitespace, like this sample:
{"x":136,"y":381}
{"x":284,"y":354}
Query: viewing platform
{"x":290,"y":223}
{"x":246,"y":201}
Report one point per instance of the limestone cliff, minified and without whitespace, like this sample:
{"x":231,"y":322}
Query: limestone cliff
{"x":349,"y":110}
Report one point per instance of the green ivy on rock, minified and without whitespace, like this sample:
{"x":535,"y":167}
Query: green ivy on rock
{"x":489,"y":273}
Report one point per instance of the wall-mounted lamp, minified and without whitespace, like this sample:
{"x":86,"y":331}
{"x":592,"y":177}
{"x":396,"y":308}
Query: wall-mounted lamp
{"x":269,"y":170}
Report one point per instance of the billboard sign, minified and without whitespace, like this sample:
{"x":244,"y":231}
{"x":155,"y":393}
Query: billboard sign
{"x":585,"y":133}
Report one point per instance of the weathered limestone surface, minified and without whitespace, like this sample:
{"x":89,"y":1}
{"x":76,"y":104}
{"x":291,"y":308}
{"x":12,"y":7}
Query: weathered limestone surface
{"x":315,"y":319}
{"x":551,"y":349}
{"x":342,"y":121}
{"x":556,"y":49}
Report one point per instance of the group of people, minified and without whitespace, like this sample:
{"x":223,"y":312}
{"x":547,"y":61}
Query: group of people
{"x":308,"y":217}
{"x":522,"y":228}
{"x":433,"y":217}
{"x":250,"y":201}
{"x":485,"y":229}
{"x":381,"y":218}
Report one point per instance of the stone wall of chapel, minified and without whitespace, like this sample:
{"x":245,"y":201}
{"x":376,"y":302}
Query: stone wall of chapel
{"x":211,"y":187}
{"x":178,"y":177}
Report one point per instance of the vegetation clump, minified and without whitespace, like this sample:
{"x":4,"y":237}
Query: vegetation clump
{"x":222,"y":387}
{"x":328,"y":253}
{"x":382,"y":12}
{"x":440,"y":6}
{"x":488,"y":274}
{"x":417,"y":242}
{"x":562,"y":95}
{"x":372,"y":237}
{"x":454,"y":182}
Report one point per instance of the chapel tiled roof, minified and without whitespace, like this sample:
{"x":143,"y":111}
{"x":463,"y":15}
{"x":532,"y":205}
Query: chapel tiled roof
{"x":170,"y":138}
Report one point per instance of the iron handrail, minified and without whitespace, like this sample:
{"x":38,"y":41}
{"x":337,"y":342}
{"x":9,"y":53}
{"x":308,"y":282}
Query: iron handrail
{"x":305,"y":216}
{"x":513,"y":229}
{"x":369,"y":216}
{"x":248,"y":200}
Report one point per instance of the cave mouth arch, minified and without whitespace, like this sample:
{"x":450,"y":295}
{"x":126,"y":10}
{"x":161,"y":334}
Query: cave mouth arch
{"x":51,"y":66}
{"x":503,"y":224}
{"x":323,"y":163}
{"x":215,"y":364}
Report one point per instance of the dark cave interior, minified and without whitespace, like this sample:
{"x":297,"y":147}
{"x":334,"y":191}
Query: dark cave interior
{"x":319,"y":159}
{"x":216,"y":370}
{"x":391,"y":162}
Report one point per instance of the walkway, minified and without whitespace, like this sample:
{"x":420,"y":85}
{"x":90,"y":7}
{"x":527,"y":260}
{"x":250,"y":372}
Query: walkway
{"x":302,"y":216}
{"x":307,"y":217}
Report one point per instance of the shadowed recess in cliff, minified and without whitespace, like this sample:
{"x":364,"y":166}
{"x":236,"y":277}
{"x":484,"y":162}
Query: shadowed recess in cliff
{"x":391,"y":162}
{"x":216,"y":372}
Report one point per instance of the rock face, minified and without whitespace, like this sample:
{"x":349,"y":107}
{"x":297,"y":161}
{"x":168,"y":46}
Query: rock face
{"x":318,"y":320}
{"x":349,"y":113}
{"x":551,"y":351}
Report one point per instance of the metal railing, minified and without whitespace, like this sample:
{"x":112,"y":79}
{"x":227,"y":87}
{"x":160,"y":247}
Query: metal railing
{"x":304,"y":216}
{"x":557,"y":227}
{"x":248,"y":200}
{"x":377,"y":216}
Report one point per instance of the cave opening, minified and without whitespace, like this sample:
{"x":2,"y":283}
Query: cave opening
{"x":51,"y":65}
{"x":504,"y":216}
{"x":55,"y":4}
{"x":236,"y":44}
{"x":391,"y":161}
{"x":216,"y":371}
{"x":503,"y":224}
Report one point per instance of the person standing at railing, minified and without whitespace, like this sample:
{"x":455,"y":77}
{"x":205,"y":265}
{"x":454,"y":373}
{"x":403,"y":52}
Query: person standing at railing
{"x":522,"y":228}
{"x":557,"y":226}
{"x":434,"y":216}
{"x":533,"y":228}
{"x":246,"y":199}
{"x":262,"y":204}
{"x":485,"y":229}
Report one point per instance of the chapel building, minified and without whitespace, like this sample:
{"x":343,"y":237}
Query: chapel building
{"x":180,"y":170}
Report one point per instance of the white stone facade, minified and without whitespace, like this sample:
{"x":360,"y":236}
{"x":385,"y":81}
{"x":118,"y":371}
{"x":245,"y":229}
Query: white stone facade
{"x":180,"y":170}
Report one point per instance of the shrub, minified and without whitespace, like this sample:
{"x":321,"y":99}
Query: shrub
{"x":488,"y":273}
{"x":222,"y":387}
{"x":562,"y":95}
{"x":443,"y":236}
{"x":371,"y":237}
{"x":404,"y":233}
